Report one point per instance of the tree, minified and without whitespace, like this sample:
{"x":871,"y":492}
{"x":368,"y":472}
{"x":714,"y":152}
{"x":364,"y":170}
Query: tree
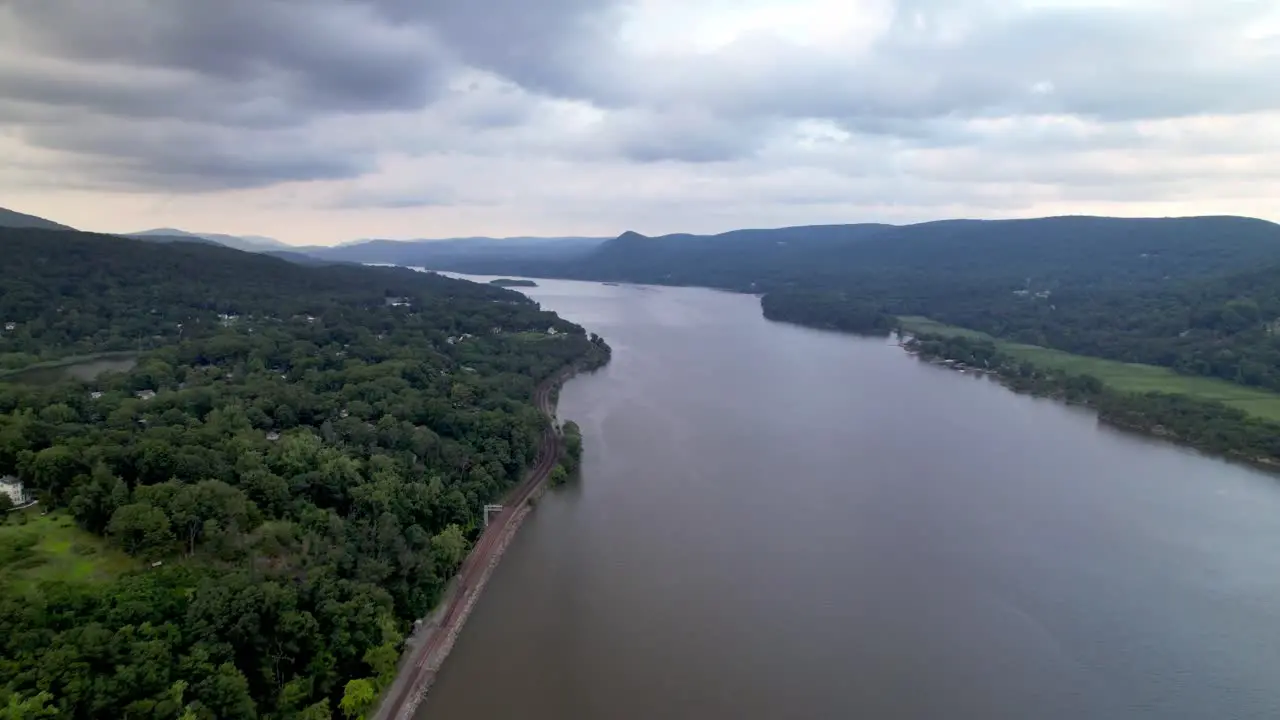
{"x":28,"y":708}
{"x":53,"y":470}
{"x":93,"y":503}
{"x":448,"y":548}
{"x":225,"y":694}
{"x":383,"y":660}
{"x":318,"y":711}
{"x":209,"y":505}
{"x":572,"y":444}
{"x":358,"y":698}
{"x":558,"y":474}
{"x":141,"y":529}
{"x":366,"y":496}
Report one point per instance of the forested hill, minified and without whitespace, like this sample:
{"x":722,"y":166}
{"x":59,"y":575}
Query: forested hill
{"x":14,"y":219}
{"x":444,"y":253}
{"x":70,"y":293}
{"x":1074,"y":250}
{"x":1048,"y":251}
{"x":1198,"y":294}
{"x":246,"y":523}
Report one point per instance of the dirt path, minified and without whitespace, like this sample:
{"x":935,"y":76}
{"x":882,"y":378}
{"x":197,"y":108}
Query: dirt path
{"x":430,"y":646}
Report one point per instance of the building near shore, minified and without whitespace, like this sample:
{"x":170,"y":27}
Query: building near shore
{"x":13,"y":487}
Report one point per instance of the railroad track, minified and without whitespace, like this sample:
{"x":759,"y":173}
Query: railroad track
{"x":417,"y":674}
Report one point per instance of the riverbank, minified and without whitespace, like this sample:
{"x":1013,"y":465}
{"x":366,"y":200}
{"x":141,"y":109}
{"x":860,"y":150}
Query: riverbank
{"x":430,"y":645}
{"x":1119,"y":376}
{"x":1205,"y":425}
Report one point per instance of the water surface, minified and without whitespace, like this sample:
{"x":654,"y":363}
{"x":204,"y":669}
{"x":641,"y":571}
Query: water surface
{"x":84,"y":370}
{"x":776,"y":522}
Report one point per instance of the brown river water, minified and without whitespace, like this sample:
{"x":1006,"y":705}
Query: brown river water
{"x":776,"y":522}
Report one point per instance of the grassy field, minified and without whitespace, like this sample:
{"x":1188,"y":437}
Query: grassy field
{"x":51,"y":547}
{"x":1129,"y":377}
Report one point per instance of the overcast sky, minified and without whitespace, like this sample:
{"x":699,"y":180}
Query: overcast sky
{"x":317,"y":121}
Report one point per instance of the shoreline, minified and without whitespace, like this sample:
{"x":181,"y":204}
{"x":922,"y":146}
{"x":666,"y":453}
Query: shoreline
{"x":1151,"y":429}
{"x":427,"y":648}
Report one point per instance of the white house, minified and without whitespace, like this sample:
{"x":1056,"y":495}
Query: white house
{"x":12,"y":486}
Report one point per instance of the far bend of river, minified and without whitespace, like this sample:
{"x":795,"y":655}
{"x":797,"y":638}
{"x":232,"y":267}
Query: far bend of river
{"x":83,"y":370}
{"x":776,"y":522}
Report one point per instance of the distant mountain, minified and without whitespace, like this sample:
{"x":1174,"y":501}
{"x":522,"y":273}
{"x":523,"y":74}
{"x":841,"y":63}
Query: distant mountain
{"x":248,"y":243}
{"x":734,"y":259}
{"x":1077,"y":250}
{"x":462,"y":254}
{"x":298,"y":258}
{"x":173,"y":239}
{"x":10,"y":218}
{"x":1200,"y":295}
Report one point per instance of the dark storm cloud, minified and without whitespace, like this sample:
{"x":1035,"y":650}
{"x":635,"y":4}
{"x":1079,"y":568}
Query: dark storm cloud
{"x":313,"y":55}
{"x":179,"y":157}
{"x":261,"y":64}
{"x":325,"y":55}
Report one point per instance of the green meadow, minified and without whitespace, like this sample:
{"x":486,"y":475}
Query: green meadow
{"x":1128,"y":377}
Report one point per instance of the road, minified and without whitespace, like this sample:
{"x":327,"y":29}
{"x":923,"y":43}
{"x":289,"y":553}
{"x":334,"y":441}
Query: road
{"x":418,"y":670}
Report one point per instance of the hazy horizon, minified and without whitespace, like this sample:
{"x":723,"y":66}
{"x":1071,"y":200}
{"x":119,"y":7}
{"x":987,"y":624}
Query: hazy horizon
{"x":355,"y":241}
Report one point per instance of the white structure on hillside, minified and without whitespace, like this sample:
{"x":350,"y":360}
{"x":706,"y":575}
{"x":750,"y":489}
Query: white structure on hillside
{"x":12,"y":486}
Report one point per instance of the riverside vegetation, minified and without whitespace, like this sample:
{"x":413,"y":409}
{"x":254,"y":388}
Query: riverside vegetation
{"x":246,"y":522}
{"x":1190,"y":306}
{"x":1211,"y":426}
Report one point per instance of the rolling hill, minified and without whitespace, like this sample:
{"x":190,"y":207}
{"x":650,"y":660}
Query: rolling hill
{"x":450,"y":253}
{"x":1197,"y":294}
{"x":14,"y":219}
{"x":1046,"y":251}
{"x":247,"y":243}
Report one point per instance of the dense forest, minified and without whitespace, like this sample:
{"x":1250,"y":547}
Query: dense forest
{"x":273,"y":493}
{"x":829,"y":310}
{"x":1224,"y":327}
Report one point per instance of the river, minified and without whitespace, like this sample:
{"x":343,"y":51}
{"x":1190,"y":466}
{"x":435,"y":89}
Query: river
{"x":776,"y":522}
{"x":87,"y":369}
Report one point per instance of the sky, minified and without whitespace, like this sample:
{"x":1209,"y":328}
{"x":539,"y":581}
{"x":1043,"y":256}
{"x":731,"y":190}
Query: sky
{"x":321,"y":121}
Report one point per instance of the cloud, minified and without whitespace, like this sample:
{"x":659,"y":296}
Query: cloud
{"x":609,"y":113}
{"x":326,"y":54}
{"x":974,"y":59}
